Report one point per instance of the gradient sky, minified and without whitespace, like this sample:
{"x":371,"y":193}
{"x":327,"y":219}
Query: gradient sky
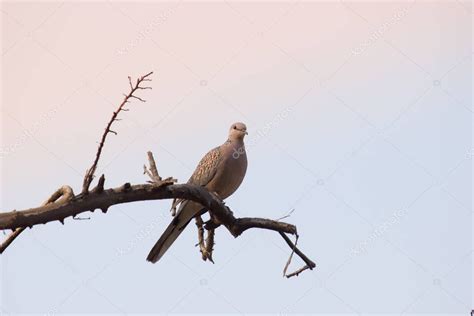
{"x":360,"y":118}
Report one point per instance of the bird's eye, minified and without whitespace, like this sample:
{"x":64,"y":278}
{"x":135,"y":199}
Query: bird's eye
{"x":235,"y":127}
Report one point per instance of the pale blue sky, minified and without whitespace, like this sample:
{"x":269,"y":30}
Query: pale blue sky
{"x":360,"y":118}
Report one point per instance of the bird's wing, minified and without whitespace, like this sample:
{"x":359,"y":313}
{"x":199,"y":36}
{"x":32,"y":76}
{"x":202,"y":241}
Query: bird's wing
{"x":207,"y":168}
{"x":204,"y":173}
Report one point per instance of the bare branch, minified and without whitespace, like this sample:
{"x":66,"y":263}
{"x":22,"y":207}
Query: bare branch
{"x":309,"y":264}
{"x":63,"y":203}
{"x":65,"y":192}
{"x":153,"y":169}
{"x":89,"y":176}
{"x":297,"y":272}
{"x":152,"y":172}
{"x":287,"y":215}
{"x":10,"y":239}
{"x":142,"y":192}
{"x":291,"y":257}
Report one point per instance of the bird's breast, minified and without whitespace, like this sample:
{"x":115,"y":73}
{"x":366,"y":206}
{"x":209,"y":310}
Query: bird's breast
{"x":234,"y":167}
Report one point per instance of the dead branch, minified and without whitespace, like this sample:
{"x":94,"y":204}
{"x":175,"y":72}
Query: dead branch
{"x":63,"y":203}
{"x":65,"y":192}
{"x":10,"y":238}
{"x":152,"y":172}
{"x":144,"y":192}
{"x":309,"y":264}
{"x":290,"y":258}
{"x":128,"y":193}
{"x":91,"y":171}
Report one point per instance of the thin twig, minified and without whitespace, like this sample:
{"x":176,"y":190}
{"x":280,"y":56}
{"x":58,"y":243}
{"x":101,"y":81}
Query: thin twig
{"x":287,"y":215}
{"x":309,"y":264}
{"x":89,"y":176}
{"x":10,"y":238}
{"x":291,"y":257}
{"x":297,"y":272}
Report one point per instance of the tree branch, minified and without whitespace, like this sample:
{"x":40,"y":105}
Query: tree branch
{"x":89,"y":176}
{"x":63,"y":203}
{"x":65,"y":192}
{"x":131,"y":193}
{"x":309,"y":264}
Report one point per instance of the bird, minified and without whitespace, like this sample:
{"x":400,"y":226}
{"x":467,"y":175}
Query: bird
{"x":221,"y":171}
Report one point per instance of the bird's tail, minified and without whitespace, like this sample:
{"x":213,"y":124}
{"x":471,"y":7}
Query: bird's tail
{"x":186,"y":212}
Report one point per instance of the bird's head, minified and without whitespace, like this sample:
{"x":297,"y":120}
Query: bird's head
{"x":238,"y":131}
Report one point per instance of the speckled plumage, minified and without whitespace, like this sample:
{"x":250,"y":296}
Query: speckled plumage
{"x":206,"y":168}
{"x":221,"y":171}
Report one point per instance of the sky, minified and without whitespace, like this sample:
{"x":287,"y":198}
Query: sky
{"x":359,"y":116}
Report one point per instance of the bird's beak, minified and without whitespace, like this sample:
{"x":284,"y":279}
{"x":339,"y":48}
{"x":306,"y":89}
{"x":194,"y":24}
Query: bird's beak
{"x":246,"y":133}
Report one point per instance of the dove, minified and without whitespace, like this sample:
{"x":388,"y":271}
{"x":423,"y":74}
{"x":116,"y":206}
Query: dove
{"x":221,"y":171}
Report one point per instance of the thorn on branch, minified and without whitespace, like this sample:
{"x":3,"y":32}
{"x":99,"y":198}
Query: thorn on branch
{"x":138,"y":98}
{"x":126,"y":187}
{"x":100,"y":186}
